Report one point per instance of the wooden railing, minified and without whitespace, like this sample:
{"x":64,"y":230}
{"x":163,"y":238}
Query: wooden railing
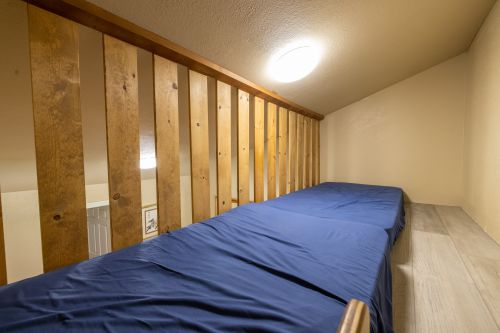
{"x":292,"y":141}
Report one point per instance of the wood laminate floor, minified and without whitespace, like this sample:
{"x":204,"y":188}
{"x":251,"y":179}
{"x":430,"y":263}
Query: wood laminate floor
{"x":446,"y":273}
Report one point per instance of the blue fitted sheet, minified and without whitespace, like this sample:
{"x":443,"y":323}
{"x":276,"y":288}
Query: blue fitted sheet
{"x":253,"y":269}
{"x":381,"y":206}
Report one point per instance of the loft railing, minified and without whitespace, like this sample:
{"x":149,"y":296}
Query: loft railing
{"x":54,"y":54}
{"x":292,"y":131}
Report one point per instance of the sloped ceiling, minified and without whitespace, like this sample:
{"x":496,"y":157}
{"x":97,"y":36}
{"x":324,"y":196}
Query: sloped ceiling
{"x":368,"y":44}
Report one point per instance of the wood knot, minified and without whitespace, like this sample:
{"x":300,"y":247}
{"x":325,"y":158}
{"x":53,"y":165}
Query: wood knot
{"x":198,"y":124}
{"x":133,"y":75}
{"x":124,"y":87}
{"x":57,"y":217}
{"x":116,"y":196}
{"x":174,"y":85}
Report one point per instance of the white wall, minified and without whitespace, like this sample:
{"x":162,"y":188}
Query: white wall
{"x":437,"y":134}
{"x":23,"y":245}
{"x":408,"y":135}
{"x":21,"y":219}
{"x":482,"y":130}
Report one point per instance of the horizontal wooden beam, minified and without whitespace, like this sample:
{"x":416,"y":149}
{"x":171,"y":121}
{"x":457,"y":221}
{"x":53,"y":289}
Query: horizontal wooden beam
{"x":99,"y":19}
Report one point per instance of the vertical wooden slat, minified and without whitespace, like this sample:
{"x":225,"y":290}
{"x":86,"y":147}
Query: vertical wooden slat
{"x":168,"y":184}
{"x":55,"y":75}
{"x":224,"y":174}
{"x":271,"y":151}
{"x":243,"y":147}
{"x":282,"y":146}
{"x":259,"y":150}
{"x":292,"y":150}
{"x":314,"y":153}
{"x":307,"y":142}
{"x":300,"y":152}
{"x":318,"y":152}
{"x":3,"y":266}
{"x":200,"y":167}
{"x":122,"y":130}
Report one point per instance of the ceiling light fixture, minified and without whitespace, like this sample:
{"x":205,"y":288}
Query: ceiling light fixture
{"x":295,"y":61}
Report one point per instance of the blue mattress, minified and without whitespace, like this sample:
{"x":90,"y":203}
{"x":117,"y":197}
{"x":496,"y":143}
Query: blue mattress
{"x":253,"y":269}
{"x":380,"y":206}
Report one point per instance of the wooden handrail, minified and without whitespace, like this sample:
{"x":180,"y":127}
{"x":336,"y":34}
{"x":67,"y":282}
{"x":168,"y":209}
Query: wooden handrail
{"x":99,"y":19}
{"x":356,"y":318}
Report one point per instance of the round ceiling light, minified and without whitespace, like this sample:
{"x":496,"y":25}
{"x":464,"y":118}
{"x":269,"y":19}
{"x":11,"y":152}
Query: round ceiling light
{"x":294,"y":62}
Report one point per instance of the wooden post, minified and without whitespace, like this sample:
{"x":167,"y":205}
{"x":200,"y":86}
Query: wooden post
{"x":122,"y":132}
{"x":224,"y":174}
{"x":259,"y":119}
{"x":308,"y":161}
{"x":271,"y":150}
{"x":292,"y":150}
{"x":356,"y":318}
{"x":55,"y":76}
{"x":315,"y":160}
{"x":200,"y":172}
{"x":243,"y":147}
{"x":282,"y":145}
{"x":318,"y":174}
{"x":300,"y":152}
{"x":168,"y":181}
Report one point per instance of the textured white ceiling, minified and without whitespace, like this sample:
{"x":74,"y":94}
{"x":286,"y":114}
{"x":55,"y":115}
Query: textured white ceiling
{"x":369,"y":44}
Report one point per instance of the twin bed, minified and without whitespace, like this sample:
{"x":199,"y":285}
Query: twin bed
{"x":286,"y":265}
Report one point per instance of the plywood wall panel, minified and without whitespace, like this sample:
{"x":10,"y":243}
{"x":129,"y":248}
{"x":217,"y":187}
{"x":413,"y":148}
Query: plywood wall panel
{"x":282,"y":150}
{"x":300,"y":152}
{"x":122,"y":130}
{"x":259,"y":122}
{"x":168,"y":187}
{"x":200,"y":166}
{"x":224,"y":173}
{"x":243,"y":147}
{"x":292,"y":150}
{"x":55,"y":74}
{"x":271,"y":150}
